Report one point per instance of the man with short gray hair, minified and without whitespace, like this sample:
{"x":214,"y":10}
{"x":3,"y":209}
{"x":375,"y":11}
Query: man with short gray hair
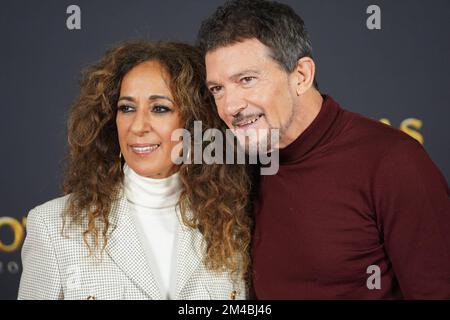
{"x":357,"y":209}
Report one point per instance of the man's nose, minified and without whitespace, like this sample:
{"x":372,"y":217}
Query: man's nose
{"x":234,"y":102}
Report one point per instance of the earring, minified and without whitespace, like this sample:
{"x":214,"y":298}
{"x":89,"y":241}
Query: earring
{"x":120,"y":160}
{"x":187,"y":161}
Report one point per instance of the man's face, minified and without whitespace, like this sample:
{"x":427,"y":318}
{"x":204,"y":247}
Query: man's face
{"x":251,"y":90}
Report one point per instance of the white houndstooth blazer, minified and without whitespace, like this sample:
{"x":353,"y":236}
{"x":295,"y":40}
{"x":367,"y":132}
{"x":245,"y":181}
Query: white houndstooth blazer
{"x":57,"y":265}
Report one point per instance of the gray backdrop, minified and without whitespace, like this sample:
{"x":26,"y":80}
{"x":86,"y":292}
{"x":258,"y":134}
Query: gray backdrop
{"x":399,"y":72}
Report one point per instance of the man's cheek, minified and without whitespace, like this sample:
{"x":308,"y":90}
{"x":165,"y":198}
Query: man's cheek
{"x":224,"y":117}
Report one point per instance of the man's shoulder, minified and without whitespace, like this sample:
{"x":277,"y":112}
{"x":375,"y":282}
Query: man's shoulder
{"x":376,"y":135}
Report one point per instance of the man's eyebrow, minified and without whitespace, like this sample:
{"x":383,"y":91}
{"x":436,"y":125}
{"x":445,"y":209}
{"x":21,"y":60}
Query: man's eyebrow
{"x":209,"y":83}
{"x":126,"y":98}
{"x":234,"y":76}
{"x":243,"y":73}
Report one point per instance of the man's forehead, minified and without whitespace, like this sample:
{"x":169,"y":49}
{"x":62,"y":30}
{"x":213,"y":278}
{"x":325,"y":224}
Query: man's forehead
{"x":236,"y":59}
{"x":248,"y":47}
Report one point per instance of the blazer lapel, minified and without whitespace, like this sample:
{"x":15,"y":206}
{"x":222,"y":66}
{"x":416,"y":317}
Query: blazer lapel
{"x":189,"y":254}
{"x":125,"y":249}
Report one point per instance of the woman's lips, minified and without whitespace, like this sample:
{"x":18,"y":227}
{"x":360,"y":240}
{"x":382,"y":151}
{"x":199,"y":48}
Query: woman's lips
{"x":143,"y":149}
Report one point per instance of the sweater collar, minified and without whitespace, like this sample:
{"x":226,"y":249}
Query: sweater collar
{"x":319,"y":132}
{"x":149,"y":192}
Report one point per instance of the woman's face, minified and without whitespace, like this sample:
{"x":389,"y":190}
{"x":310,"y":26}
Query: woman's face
{"x":146,"y":118}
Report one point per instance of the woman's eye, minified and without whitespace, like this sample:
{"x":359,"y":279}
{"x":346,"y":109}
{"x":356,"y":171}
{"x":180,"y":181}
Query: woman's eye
{"x":125,"y":108}
{"x":160,"y":109}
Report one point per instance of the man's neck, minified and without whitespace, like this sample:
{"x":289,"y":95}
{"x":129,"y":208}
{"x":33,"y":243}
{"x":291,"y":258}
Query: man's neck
{"x":309,"y":105}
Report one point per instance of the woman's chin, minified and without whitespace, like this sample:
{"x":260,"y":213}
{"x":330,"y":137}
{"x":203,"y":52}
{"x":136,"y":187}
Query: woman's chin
{"x":151,"y":171}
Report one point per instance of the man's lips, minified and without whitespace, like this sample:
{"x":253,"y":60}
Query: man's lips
{"x":247,"y":121}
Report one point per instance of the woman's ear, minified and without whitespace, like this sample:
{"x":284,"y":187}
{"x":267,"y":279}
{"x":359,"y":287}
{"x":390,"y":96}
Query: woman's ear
{"x":304,"y":74}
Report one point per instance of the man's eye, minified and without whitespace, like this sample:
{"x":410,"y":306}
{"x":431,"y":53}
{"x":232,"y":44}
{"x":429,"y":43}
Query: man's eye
{"x":125,"y":108}
{"x":160,"y":109}
{"x":246,"y":80}
{"x":215,"y":89}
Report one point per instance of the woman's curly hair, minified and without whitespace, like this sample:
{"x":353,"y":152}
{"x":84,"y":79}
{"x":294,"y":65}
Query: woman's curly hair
{"x":214,"y":198}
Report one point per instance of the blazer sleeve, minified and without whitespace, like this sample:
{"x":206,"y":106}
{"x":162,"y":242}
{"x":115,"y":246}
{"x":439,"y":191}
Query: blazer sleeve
{"x":40,"y":278}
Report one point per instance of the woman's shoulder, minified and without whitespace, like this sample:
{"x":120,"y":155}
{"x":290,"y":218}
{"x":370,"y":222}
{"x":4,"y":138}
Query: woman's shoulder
{"x":49,"y":213}
{"x":51,"y":207}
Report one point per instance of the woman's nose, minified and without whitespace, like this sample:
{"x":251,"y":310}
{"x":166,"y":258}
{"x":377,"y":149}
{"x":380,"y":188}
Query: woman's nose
{"x":141,"y":124}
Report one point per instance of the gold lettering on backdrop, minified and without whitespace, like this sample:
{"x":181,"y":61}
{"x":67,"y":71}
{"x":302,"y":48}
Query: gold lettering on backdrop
{"x":409,"y":126}
{"x":412,"y":126}
{"x":18,"y":230}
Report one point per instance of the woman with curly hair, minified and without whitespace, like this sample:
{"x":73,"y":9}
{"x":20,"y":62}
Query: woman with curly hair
{"x":132,"y":224}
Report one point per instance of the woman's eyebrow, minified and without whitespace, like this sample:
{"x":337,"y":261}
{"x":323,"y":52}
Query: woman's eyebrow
{"x":157,"y":96}
{"x":152,"y":97}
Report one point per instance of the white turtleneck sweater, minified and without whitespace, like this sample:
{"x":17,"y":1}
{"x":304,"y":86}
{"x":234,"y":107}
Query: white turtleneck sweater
{"x":153,"y":208}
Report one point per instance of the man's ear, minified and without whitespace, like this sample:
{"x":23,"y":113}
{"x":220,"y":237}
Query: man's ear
{"x":303,"y":75}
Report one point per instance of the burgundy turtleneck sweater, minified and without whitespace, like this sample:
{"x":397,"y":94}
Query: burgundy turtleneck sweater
{"x":352,"y":193}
